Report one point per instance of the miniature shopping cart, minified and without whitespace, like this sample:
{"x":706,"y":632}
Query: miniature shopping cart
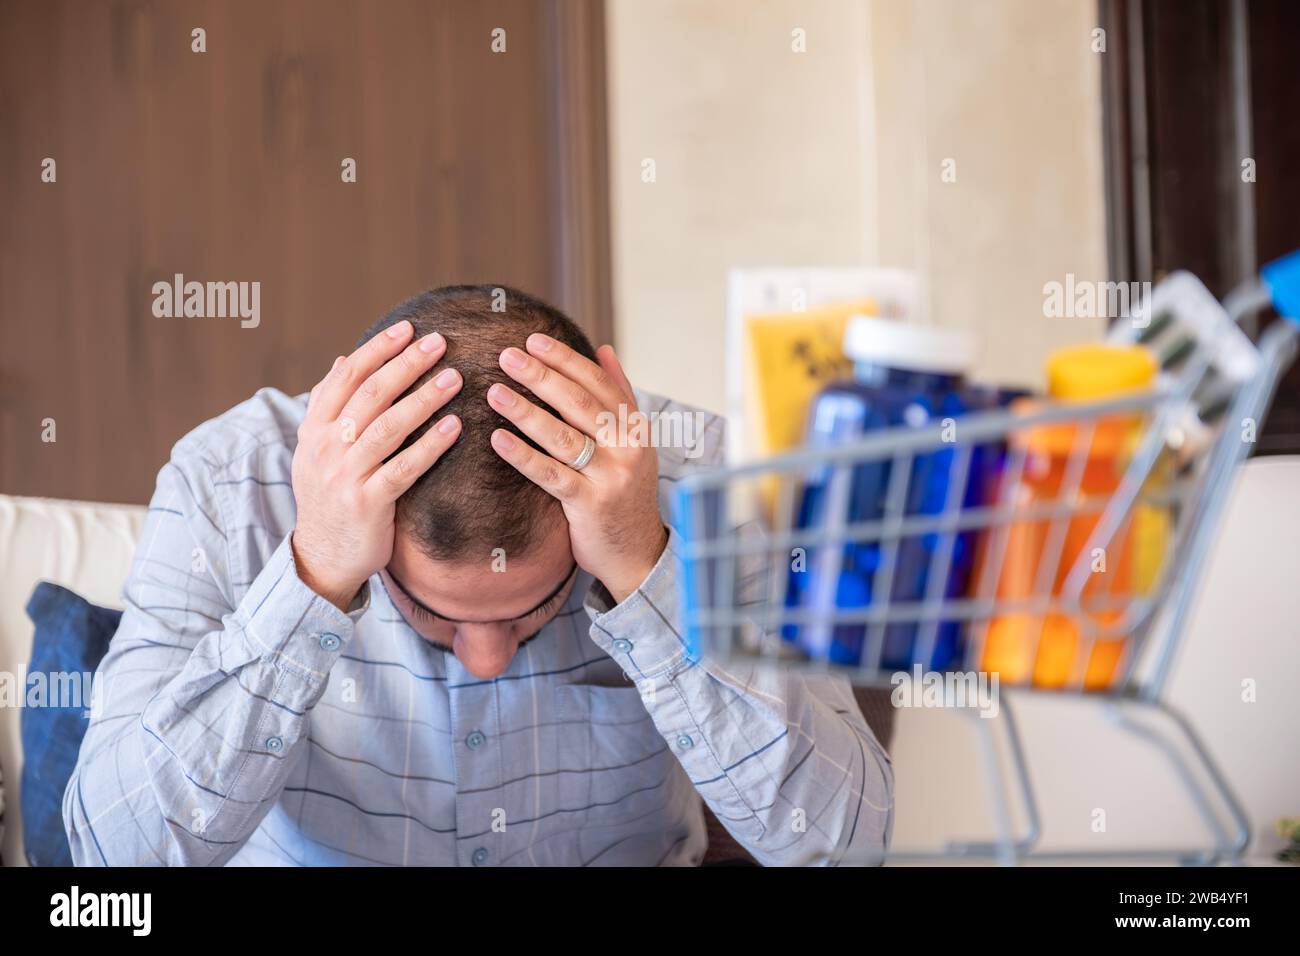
{"x":1067,"y":585}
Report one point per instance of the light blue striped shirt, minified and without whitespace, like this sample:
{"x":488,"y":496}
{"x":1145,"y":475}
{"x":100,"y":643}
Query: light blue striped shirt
{"x":243,"y":719}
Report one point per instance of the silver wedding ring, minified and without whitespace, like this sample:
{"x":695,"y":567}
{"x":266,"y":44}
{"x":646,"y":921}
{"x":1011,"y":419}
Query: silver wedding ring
{"x":584,"y":456}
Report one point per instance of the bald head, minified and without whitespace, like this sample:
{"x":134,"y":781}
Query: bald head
{"x":471,"y":501}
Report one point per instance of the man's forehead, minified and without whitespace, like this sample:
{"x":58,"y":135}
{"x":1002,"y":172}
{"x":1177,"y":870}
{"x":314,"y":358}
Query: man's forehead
{"x":492,"y":585}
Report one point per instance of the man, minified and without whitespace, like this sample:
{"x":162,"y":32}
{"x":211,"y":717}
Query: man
{"x":417,"y":617}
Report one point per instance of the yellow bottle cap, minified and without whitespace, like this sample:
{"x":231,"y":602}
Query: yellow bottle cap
{"x":1093,"y":371}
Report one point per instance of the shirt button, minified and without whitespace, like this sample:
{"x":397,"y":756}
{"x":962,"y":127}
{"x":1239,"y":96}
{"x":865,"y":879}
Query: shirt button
{"x":684,"y":742}
{"x":479,"y":857}
{"x":330,"y":642}
{"x":475,"y":740}
{"x":623,"y":645}
{"x":275,"y":745}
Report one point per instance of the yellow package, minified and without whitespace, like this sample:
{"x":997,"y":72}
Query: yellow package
{"x":791,"y":356}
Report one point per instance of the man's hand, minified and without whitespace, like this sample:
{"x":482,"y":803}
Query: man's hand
{"x":612,"y":504}
{"x":345,"y":490}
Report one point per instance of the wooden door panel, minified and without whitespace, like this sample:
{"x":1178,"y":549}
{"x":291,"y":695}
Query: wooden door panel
{"x":225,"y":166}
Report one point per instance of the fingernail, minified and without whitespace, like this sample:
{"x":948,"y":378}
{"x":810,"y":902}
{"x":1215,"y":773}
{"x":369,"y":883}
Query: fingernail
{"x":449,"y":424}
{"x":398,"y":330}
{"x":431,"y":343}
{"x":446,"y":378}
{"x":514,"y":358}
{"x":540,"y":343}
{"x":501,"y":395}
{"x":503,"y":440}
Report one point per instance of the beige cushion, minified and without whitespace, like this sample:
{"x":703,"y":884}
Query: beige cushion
{"x":83,"y":546}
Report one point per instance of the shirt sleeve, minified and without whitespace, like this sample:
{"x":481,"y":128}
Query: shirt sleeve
{"x":786,"y":762}
{"x":201,"y":706}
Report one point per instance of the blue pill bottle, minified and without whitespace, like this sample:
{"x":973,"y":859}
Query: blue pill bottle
{"x":903,"y":375}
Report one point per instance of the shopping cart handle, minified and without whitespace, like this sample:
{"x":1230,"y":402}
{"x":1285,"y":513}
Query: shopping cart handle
{"x":1282,"y":276}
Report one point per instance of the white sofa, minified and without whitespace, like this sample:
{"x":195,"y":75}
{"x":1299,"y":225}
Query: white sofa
{"x":1245,"y":624}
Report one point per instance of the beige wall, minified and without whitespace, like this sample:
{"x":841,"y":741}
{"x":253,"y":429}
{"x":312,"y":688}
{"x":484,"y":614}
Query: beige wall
{"x":767,"y":157}
{"x":1009,"y":90}
{"x":760,"y":161}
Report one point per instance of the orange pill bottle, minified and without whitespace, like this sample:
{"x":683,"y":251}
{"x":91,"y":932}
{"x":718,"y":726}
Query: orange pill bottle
{"x":1054,"y":649}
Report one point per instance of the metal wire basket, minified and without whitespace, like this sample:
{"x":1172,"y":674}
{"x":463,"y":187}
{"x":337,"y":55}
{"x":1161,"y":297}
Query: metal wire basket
{"x":1059,"y":553}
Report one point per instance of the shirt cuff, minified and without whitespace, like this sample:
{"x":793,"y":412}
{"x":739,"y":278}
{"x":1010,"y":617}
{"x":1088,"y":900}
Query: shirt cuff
{"x":644,"y":633}
{"x":286,"y":622}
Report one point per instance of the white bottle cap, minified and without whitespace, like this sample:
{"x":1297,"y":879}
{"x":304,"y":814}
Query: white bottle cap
{"x":902,"y":345}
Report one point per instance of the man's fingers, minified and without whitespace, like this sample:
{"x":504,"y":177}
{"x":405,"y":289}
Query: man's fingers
{"x":561,"y":441}
{"x":577,"y":368}
{"x":579,"y":407}
{"x":557,"y":480}
{"x":396,"y":475}
{"x":374,"y":395}
{"x":608,"y":360}
{"x":337,"y":387}
{"x":387,"y":432}
{"x":316,"y":389}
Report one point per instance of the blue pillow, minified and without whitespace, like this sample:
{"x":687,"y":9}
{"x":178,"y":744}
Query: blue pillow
{"x":72,"y":637}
